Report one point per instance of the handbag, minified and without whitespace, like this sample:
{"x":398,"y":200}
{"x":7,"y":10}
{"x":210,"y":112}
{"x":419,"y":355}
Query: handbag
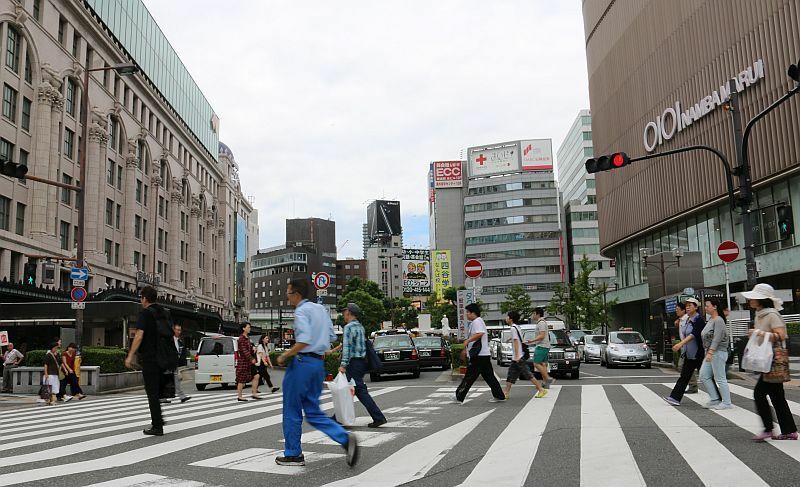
{"x":779,"y":372}
{"x":45,"y":390}
{"x":476,"y":349}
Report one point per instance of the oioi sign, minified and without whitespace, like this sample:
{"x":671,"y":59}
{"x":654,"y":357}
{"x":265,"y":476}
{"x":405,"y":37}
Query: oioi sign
{"x":674,"y":119}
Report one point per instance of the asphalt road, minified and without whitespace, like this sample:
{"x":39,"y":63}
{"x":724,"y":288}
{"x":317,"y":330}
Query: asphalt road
{"x":608,"y":427}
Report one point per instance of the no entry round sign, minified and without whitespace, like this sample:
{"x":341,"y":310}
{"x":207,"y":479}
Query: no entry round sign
{"x":473,"y":268}
{"x":728,"y":251}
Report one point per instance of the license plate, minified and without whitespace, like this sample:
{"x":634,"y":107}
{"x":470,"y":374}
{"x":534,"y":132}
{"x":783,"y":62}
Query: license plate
{"x":631,"y":359}
{"x":391,"y":356}
{"x":553,"y":366}
{"x":216,"y":378}
{"x":425,"y":353}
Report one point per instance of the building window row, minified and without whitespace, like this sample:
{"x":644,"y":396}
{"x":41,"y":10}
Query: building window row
{"x":502,"y":188}
{"x":530,"y":287}
{"x":585,"y":233}
{"x":522,"y":271}
{"x":581,"y":216}
{"x":510,"y":220}
{"x":514,"y":254}
{"x":511,"y":237}
{"x":515,"y":203}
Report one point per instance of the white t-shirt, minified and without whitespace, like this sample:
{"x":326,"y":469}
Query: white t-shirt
{"x":516,"y":349}
{"x":541,"y":326}
{"x":478,"y":326}
{"x":12,"y":357}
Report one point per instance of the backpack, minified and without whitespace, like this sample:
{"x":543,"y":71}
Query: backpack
{"x":526,"y":353}
{"x":166,"y":353}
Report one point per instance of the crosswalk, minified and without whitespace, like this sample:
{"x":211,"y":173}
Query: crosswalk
{"x":615,"y":435}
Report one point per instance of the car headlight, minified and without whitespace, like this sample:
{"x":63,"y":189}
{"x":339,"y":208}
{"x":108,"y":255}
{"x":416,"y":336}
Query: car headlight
{"x":570,"y":355}
{"x":506,"y":347}
{"x":613,"y":348}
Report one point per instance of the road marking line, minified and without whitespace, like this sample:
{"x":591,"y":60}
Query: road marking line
{"x":396,"y":422}
{"x":408,"y":409}
{"x":414,"y":460}
{"x":150,"y":480}
{"x":519,"y":441}
{"x":601,"y":433}
{"x":716,"y":465}
{"x":365,"y":438}
{"x":748,"y":393}
{"x":262,"y":460}
{"x":144,"y":421}
{"x":749,"y":421}
{"x":151,"y":451}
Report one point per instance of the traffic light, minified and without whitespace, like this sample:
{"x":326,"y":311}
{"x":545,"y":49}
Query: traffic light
{"x":606,"y":163}
{"x":13,"y":169}
{"x":30,"y":274}
{"x":794,"y":72}
{"x":785,"y":221}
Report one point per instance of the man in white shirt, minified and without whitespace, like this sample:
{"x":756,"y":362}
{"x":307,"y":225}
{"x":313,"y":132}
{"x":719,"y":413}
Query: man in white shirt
{"x":11,"y":360}
{"x":476,"y":349}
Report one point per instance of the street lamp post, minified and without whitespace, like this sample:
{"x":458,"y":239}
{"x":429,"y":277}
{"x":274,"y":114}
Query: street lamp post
{"x":124,"y":69}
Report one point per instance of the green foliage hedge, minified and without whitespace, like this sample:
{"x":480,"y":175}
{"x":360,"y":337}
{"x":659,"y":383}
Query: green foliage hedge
{"x":109,"y":359}
{"x":793,"y":328}
{"x":332,"y":361}
{"x":455,"y":355}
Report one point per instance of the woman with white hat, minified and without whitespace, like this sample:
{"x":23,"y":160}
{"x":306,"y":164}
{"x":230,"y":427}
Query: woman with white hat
{"x":769,"y":322}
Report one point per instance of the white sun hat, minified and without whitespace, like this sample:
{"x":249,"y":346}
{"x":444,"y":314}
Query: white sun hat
{"x":764,"y":291}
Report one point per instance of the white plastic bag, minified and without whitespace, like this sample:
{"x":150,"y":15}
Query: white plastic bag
{"x":758,"y":356}
{"x":342,"y":393}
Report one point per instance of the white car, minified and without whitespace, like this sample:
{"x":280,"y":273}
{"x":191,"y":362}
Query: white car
{"x":215,"y":361}
{"x":592,"y":347}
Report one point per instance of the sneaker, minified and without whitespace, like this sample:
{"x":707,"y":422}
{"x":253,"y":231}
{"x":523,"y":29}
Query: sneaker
{"x":164,"y":401}
{"x":721,"y":406}
{"x":298,"y":461}
{"x":506,"y":395}
{"x":552,"y":381}
{"x":762,"y":436}
{"x":67,"y":398}
{"x":185,"y":398}
{"x":275,"y":389}
{"x":546,"y":384}
{"x":494,"y":399}
{"x":352,"y":449}
{"x":712,"y":404}
{"x":671,"y":401}
{"x":541,"y":394}
{"x":377,"y":424}
{"x":154,"y":431}
{"x":787,"y":436}
{"x":455,"y":399}
{"x":691,"y":390}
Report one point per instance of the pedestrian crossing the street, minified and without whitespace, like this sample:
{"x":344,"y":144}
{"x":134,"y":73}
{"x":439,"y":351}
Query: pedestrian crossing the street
{"x":619,"y":434}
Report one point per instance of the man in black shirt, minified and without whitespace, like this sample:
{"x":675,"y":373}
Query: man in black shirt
{"x":145,"y":342}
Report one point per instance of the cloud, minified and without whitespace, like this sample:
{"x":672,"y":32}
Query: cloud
{"x":327,"y":105}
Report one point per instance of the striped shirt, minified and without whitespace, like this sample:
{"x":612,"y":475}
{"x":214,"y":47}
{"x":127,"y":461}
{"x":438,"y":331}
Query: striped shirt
{"x":353,"y":345}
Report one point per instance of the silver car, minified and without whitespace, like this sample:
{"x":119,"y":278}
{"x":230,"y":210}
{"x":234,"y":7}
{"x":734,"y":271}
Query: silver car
{"x":626,"y":348}
{"x":592,"y":347}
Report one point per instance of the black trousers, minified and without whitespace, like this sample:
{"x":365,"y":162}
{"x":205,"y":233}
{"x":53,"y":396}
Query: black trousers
{"x":264,"y":373}
{"x":72,"y":381}
{"x":479,"y":366}
{"x":153,"y":385}
{"x":689,"y":367}
{"x":776,"y":395}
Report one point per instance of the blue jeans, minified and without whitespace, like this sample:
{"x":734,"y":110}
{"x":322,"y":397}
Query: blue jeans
{"x":356,"y":370}
{"x":302,"y":386}
{"x":714,"y":371}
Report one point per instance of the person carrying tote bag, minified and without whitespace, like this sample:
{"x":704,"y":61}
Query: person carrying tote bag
{"x":769,"y":324}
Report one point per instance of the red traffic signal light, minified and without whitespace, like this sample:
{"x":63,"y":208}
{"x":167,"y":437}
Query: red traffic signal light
{"x":13,"y":169}
{"x":604,"y":163}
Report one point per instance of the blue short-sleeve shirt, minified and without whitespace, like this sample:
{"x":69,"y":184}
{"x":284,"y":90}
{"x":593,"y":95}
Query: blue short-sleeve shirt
{"x":313,"y":326}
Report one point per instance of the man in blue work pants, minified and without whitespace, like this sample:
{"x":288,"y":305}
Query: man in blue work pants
{"x":302,"y":384}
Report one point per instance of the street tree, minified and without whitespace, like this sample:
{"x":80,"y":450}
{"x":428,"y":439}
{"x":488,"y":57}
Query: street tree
{"x":582,"y":304}
{"x":369,"y":297}
{"x":517,"y":300}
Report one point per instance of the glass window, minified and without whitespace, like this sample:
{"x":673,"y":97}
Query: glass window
{"x":138,"y":191}
{"x":62,"y":30}
{"x":119,"y":216}
{"x":37,"y":10}
{"x":25,"y":122}
{"x":23,"y":157}
{"x":64,"y":235}
{"x":66,"y":194}
{"x":9,"y":103}
{"x":69,"y":143}
{"x":69,"y":98}
{"x":12,"y":49}
{"x":110,"y":169}
{"x":137,"y":226}
{"x":703,"y":239}
{"x":20,"y":227}
{"x":107,"y":250}
{"x":76,"y":44}
{"x":780,"y":193}
{"x":5,"y":212}
{"x":715,"y":234}
{"x":28,"y":69}
{"x":116,"y":254}
{"x":119,"y":177}
{"x":683,"y":238}
{"x":109,"y":212}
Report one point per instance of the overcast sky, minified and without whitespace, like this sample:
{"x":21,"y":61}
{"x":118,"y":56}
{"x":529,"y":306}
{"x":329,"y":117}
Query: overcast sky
{"x":328,"y":105}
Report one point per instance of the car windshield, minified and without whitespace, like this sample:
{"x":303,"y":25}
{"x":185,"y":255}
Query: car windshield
{"x":392,"y":341}
{"x":594,"y":339}
{"x":577,"y":334}
{"x":626,"y":338}
{"x":428,"y":342}
{"x":557,"y":337}
{"x":216,"y":346}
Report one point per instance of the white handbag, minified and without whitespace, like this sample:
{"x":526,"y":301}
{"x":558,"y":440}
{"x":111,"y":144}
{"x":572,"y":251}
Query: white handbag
{"x":758,"y":353}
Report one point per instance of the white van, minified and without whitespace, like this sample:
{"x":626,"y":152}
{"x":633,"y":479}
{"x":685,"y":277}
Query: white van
{"x":215,"y":361}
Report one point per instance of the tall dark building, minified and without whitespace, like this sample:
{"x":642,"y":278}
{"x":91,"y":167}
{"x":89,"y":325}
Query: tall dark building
{"x":310,"y":249}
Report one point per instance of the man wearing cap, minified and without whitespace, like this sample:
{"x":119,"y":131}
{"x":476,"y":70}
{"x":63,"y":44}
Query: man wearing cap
{"x":354,"y":362}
